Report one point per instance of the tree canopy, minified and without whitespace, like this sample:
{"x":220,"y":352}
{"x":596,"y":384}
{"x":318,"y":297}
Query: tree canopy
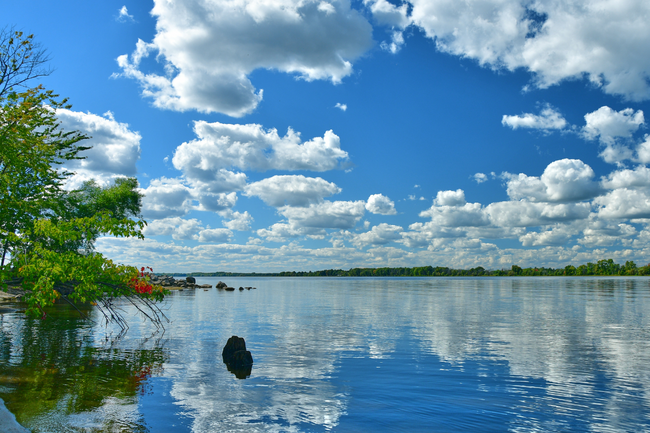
{"x":47,"y":233}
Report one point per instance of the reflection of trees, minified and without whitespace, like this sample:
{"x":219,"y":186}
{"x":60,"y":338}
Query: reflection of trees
{"x":54,"y":363}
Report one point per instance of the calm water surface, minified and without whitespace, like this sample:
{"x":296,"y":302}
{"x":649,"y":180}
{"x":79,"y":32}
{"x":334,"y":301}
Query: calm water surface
{"x":347,"y":355}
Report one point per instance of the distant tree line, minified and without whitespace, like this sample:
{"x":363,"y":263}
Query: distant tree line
{"x":600,"y":268}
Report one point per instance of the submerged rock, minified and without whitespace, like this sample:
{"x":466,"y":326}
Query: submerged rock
{"x":238,"y":360}
{"x":230,"y":289}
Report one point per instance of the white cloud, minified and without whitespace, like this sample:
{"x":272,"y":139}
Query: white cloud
{"x":565,"y":180}
{"x":237,"y":220}
{"x":549,"y":118}
{"x":215,"y":236}
{"x":343,"y":107}
{"x":643,"y":151}
{"x":396,"y":17}
{"x":624,"y":203}
{"x":215,"y":202}
{"x":381,"y":234}
{"x":607,"y":42}
{"x":450,"y":198}
{"x":210,"y":48}
{"x":457,"y":215}
{"x":123,"y":15}
{"x":480,"y":177}
{"x":222,"y":146}
{"x":299,"y":190}
{"x":608,"y":124}
{"x":600,"y":233}
{"x":166,"y":198}
{"x":174,"y":197}
{"x":637,"y":178}
{"x":388,"y":14}
{"x":527,"y":214}
{"x":115,"y":148}
{"x":335,"y":215}
{"x":555,"y":236}
{"x":380,"y":204}
{"x":281,"y":232}
{"x":177,"y":228}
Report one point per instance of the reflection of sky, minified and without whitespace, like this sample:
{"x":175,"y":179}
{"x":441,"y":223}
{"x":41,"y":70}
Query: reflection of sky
{"x":342,"y":354}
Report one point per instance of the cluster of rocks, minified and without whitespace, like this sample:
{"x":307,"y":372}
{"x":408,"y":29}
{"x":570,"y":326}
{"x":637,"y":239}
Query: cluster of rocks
{"x":238,"y":360}
{"x":169,"y":281}
{"x":224,"y":286}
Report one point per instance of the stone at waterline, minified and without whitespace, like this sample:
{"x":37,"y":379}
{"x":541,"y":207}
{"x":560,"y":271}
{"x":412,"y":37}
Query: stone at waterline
{"x":241,"y":288}
{"x":230,"y":289}
{"x":238,"y":360}
{"x":248,"y":288}
{"x":221,"y":285}
{"x":190,"y":280}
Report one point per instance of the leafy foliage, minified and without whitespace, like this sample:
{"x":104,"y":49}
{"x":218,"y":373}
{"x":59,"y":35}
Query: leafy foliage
{"x":47,"y":234}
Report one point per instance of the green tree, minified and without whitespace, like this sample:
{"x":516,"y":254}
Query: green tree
{"x":46,"y":232}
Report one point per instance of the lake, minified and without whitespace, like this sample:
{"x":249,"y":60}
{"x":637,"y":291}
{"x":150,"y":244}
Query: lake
{"x":346,"y":355}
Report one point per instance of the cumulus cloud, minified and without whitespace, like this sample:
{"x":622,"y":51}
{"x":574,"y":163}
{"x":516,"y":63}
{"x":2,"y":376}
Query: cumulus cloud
{"x":528,"y":214}
{"x":480,"y":177}
{"x":281,"y":232}
{"x":609,"y":41}
{"x":380,"y":204}
{"x":237,"y":220}
{"x":565,"y":180}
{"x":555,"y":236}
{"x":457,"y":215}
{"x":222,"y":146}
{"x":342,"y":107}
{"x":624,"y":203}
{"x":548,"y":119}
{"x":396,"y":17}
{"x":643,"y":151}
{"x":166,"y":198}
{"x":210,"y":49}
{"x":388,"y":14}
{"x":381,"y":234}
{"x":326,"y":215}
{"x":115,"y":148}
{"x":215,"y":236}
{"x":288,"y":190}
{"x":607,"y":124}
{"x":626,"y":178}
{"x":450,"y":198}
{"x":176,"y":227}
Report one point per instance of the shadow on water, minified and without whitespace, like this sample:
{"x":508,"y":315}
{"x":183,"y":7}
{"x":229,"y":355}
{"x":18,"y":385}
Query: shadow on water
{"x":59,"y":364}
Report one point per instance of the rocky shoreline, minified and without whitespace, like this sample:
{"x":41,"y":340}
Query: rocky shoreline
{"x":170,"y":283}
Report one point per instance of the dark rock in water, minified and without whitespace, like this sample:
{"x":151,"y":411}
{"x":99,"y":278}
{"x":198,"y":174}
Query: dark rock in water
{"x":230,"y":289}
{"x":240,"y":373}
{"x":191,"y":280}
{"x":206,"y":286}
{"x":221,"y":285}
{"x":248,"y":288}
{"x":234,"y":344}
{"x":241,"y":288}
{"x":238,"y":360}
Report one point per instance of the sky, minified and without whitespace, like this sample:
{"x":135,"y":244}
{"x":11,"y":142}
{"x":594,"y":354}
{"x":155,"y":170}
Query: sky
{"x":279,"y":135}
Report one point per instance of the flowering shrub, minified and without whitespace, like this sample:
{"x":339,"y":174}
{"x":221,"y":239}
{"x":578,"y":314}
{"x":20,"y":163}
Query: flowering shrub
{"x":142,"y":286}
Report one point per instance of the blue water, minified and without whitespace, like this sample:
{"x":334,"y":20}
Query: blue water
{"x":358,"y":354}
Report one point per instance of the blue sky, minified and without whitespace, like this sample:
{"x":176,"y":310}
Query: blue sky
{"x":273,"y":135}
